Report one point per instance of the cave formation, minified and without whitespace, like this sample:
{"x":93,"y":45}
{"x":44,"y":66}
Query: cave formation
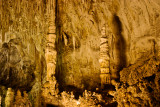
{"x":79,"y":53}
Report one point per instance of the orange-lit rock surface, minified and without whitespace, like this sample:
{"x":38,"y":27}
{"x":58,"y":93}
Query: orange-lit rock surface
{"x":79,"y":53}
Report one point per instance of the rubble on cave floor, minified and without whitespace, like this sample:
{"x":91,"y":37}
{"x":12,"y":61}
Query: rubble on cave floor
{"x":139,"y":86}
{"x":87,"y":99}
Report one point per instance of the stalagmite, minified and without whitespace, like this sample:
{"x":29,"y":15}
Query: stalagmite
{"x":104,"y":58}
{"x":50,"y":49}
{"x":9,"y":98}
{"x":0,"y":100}
{"x":49,"y":91}
{"x":18,"y":98}
{"x":21,"y":101}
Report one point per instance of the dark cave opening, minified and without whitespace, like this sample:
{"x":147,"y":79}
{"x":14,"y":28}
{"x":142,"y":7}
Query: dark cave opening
{"x":51,"y":105}
{"x":149,"y":89}
{"x":150,"y":78}
{"x":115,"y":104}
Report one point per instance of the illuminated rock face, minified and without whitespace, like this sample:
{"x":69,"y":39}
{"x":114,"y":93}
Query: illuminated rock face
{"x":133,"y":34}
{"x":49,"y":46}
{"x":23,"y":30}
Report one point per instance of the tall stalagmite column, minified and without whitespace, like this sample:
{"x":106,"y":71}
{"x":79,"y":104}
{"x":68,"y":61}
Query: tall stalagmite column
{"x":49,"y":91}
{"x":50,"y":49}
{"x":104,"y":58}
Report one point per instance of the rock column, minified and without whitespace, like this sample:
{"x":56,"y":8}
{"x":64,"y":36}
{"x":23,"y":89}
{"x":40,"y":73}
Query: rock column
{"x":104,"y":58}
{"x":0,"y":100}
{"x":50,"y":52}
{"x":49,"y":90}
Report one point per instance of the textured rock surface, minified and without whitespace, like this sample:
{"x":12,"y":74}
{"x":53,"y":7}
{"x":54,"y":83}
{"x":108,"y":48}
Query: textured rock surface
{"x":23,"y":29}
{"x":50,"y":46}
{"x":141,"y":86}
{"x":16,"y":70}
{"x":131,"y":27}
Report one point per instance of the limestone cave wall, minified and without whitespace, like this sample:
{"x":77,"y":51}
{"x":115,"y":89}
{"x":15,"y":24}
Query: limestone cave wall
{"x":130,"y":27}
{"x":23,"y":29}
{"x":97,"y":53}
